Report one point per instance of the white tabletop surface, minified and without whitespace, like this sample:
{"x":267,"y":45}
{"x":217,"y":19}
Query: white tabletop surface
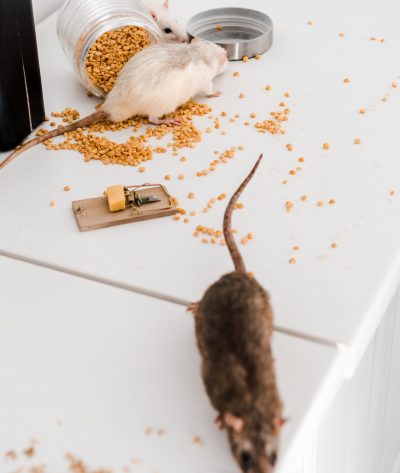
{"x":89,"y":373}
{"x":338,"y":294}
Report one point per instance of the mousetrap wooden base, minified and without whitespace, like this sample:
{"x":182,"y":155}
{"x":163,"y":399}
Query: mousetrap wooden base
{"x":142,"y":203}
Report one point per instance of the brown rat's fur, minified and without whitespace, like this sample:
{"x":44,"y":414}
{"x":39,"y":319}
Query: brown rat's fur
{"x":234,"y":328}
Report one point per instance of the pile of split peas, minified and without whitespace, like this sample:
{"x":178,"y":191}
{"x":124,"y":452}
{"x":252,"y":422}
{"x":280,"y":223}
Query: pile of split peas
{"x":105,"y":59}
{"x":111,"y":51}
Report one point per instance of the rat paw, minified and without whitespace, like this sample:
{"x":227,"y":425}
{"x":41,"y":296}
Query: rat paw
{"x":193,"y":307}
{"x":166,"y":121}
{"x":215,"y":94}
{"x":219,"y":422}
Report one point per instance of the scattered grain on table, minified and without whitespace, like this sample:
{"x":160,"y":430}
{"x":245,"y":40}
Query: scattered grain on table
{"x":197,"y":442}
{"x":289,"y":206}
{"x":274,"y":124}
{"x":29,"y":452}
{"x":10,"y":455}
{"x":137,"y":149}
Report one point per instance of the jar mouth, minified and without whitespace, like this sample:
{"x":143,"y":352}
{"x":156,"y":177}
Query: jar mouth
{"x":96,"y":30}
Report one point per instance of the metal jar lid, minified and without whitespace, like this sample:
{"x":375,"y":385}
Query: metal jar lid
{"x":241,"y":31}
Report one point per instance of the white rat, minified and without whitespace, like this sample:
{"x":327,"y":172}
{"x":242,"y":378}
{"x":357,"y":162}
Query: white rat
{"x":153,"y":83}
{"x":171,"y":30}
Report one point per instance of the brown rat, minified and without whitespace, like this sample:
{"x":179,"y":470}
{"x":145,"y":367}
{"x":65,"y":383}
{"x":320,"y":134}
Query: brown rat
{"x":153,"y":83}
{"x":234,"y":328}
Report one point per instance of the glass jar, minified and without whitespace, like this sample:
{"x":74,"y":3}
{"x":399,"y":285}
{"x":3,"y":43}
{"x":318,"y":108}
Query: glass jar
{"x":81,"y":22}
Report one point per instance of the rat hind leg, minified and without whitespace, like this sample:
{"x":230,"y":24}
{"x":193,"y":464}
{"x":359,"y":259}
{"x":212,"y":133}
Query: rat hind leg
{"x":208,"y":90}
{"x":167,"y":121}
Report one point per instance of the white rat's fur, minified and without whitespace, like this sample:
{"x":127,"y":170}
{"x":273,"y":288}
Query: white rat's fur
{"x":154,"y":82}
{"x":171,"y":30}
{"x":160,"y":78}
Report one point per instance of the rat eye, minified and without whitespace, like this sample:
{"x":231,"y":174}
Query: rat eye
{"x":167,"y":30}
{"x":273,"y":458}
{"x":246,"y":460}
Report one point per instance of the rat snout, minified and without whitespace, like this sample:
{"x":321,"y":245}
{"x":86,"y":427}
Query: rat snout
{"x":180,"y":38}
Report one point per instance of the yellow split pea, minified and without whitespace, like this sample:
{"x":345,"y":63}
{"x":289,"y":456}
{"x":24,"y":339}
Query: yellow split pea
{"x":111,"y":51}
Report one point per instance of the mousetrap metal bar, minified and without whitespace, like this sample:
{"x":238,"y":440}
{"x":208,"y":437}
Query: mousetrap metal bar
{"x":124,"y":204}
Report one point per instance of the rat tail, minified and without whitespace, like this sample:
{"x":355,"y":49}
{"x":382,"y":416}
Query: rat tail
{"x":230,"y":241}
{"x":89,"y":120}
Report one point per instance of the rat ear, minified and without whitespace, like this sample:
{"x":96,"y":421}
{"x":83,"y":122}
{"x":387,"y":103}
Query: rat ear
{"x":196,"y":40}
{"x":279,"y":422}
{"x":154,"y":16}
{"x":233,"y":422}
{"x":166,"y":4}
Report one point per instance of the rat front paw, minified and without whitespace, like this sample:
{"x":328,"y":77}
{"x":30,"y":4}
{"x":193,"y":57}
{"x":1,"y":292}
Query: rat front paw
{"x":215,"y":94}
{"x":193,"y":307}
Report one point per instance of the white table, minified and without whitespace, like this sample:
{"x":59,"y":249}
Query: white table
{"x":89,"y":373}
{"x":335,"y":296}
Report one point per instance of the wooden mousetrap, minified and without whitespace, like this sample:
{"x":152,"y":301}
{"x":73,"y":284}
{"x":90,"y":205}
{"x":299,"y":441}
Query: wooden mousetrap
{"x":123,"y":204}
